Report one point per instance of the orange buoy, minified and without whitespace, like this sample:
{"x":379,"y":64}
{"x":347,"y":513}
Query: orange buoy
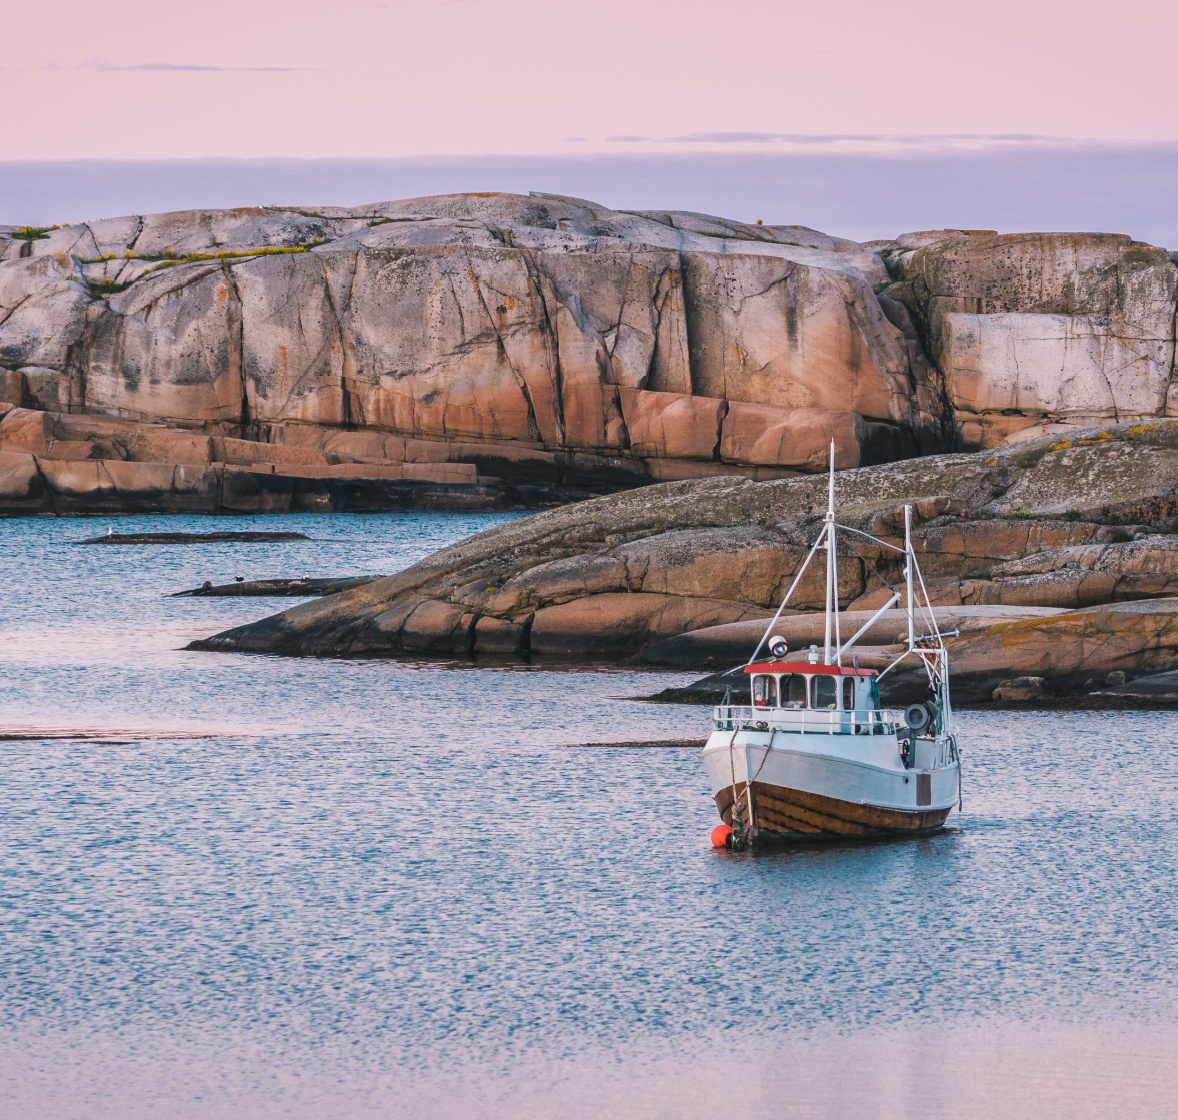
{"x":720,"y":836}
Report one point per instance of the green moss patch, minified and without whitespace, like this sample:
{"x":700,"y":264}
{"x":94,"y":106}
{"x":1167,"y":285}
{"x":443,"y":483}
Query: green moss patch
{"x":170,"y":257}
{"x":31,"y":233}
{"x":100,"y":289}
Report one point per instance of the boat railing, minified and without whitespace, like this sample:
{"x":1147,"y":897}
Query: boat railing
{"x":945,"y":753}
{"x":808,"y":721}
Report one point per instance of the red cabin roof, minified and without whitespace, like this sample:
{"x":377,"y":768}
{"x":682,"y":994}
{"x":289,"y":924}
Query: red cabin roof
{"x":806,"y":667}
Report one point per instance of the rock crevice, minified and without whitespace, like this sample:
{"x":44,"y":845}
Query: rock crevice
{"x":493,"y":318}
{"x":549,"y":339}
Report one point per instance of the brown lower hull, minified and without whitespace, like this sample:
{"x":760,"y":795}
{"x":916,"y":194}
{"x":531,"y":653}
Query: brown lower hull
{"x":791,"y":814}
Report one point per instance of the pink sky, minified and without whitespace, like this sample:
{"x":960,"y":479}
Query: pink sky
{"x":123,"y":78}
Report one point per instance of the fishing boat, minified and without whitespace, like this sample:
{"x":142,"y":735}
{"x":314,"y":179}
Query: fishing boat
{"x":813,"y":755}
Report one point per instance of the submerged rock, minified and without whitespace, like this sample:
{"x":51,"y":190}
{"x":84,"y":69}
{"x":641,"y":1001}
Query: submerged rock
{"x":292,"y":588}
{"x":192,"y":538}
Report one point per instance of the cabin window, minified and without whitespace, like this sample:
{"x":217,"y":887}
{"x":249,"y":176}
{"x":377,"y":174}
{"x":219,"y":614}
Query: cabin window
{"x":849,"y":693}
{"x":764,"y":692}
{"x":793,"y":691}
{"x":826,"y":692}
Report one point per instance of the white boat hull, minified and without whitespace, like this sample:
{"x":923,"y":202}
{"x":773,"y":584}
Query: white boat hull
{"x":815,"y":786}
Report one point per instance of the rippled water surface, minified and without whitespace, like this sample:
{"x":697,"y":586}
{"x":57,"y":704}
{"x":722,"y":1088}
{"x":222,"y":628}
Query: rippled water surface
{"x":284,"y":887}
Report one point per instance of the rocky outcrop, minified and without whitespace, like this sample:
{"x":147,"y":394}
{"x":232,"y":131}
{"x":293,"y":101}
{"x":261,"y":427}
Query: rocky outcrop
{"x":685,"y":573}
{"x":541,"y":338}
{"x":556,"y":346}
{"x":1152,"y":690}
{"x":732,"y":643}
{"x":121,"y":539}
{"x":1037,"y":333}
{"x":1070,"y":652}
{"x":1082,"y":575}
{"x":63,"y":464}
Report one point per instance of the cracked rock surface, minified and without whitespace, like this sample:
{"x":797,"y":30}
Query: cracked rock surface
{"x":1035,"y":333}
{"x":672,"y":344}
{"x":551,"y":342}
{"x":686,"y":573}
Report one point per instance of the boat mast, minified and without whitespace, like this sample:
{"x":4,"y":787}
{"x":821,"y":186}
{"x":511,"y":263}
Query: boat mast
{"x":908,"y":576}
{"x":831,"y":569}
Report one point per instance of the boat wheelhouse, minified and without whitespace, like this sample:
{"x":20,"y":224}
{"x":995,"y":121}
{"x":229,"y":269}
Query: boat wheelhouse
{"x":818,"y":698}
{"x":814,"y":754}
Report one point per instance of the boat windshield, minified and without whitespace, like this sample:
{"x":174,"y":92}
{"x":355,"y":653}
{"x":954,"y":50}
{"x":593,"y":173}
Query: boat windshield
{"x":764,"y":692}
{"x":826,"y":692}
{"x":793,"y":691}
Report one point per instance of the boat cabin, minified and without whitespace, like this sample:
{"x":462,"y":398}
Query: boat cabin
{"x":826,"y":688}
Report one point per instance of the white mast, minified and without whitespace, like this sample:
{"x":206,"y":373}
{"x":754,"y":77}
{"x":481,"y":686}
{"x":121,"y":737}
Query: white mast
{"x":834,"y":567}
{"x":908,"y":574}
{"x":831,"y":569}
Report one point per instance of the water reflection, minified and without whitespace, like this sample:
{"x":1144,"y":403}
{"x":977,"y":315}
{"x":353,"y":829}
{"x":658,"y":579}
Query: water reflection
{"x":386,"y":887}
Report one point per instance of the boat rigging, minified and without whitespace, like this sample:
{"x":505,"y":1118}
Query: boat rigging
{"x":814,"y":755}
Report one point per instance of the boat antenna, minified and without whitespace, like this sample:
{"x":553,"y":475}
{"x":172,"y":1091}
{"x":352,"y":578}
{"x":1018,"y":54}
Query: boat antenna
{"x":827,"y":535}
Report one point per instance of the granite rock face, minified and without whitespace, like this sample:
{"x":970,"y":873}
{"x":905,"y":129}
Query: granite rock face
{"x":1034,"y":333}
{"x":686,"y":573}
{"x":551,"y":342}
{"x":548,"y":333}
{"x":65,"y":464}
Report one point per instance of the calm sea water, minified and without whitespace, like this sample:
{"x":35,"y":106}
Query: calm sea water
{"x":386,"y":889}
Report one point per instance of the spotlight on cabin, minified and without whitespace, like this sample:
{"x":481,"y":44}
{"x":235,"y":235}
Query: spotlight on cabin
{"x":778,"y":646}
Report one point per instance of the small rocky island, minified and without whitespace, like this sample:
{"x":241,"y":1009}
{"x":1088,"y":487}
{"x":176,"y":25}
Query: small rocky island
{"x":1055,"y":558}
{"x":305,"y":586}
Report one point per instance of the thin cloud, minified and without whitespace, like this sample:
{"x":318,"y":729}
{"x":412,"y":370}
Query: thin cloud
{"x":103,"y":66}
{"x":802,"y":138}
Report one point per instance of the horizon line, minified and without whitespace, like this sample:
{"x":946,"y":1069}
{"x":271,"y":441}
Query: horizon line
{"x":817,"y":146}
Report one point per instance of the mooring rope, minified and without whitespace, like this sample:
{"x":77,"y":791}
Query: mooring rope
{"x":737,"y":839}
{"x":748,"y":785}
